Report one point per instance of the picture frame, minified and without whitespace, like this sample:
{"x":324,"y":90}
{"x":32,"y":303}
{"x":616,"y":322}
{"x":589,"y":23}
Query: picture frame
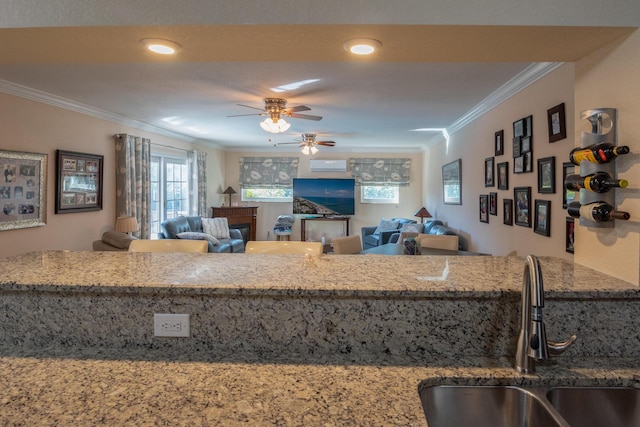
{"x":516,"y":146}
{"x":503,"y":176}
{"x":528,"y":126}
{"x":527,"y":162}
{"x":547,"y":175}
{"x":79,"y":182}
{"x":568,"y":196}
{"x":569,"y":234}
{"x":23,"y":190}
{"x":507,"y":212}
{"x":484,"y":208}
{"x":525,"y":144}
{"x":518,"y":164}
{"x":499,"y":143}
{"x":452,"y":183}
{"x":488,"y":172}
{"x":522,"y":201}
{"x":556,"y":123}
{"x":493,"y":203}
{"x":519,"y":128}
{"x":542,"y":217}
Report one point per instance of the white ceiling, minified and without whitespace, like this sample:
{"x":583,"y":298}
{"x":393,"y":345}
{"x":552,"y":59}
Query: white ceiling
{"x":87,"y":56}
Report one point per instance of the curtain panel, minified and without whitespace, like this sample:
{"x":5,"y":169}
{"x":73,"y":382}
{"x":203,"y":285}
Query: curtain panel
{"x":379,"y":171}
{"x":133,"y":182}
{"x":197,"y":183}
{"x":268,"y":172}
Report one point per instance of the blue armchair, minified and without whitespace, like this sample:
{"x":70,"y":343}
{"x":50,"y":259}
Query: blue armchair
{"x":371,"y":239}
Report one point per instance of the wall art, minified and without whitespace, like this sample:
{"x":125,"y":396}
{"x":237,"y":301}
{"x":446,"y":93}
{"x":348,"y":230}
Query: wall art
{"x":23,"y":190}
{"x":79,"y":182}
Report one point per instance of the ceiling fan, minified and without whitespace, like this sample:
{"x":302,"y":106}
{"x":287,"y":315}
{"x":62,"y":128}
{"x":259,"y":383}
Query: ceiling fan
{"x":309,"y":143}
{"x":274,"y":109}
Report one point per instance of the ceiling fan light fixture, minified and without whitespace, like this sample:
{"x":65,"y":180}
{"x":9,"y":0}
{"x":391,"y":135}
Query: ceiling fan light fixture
{"x":362,"y":46}
{"x":272,"y":126}
{"x":163,"y":47}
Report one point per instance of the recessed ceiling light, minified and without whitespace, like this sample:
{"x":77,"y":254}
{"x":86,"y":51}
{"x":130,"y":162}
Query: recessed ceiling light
{"x":163,"y":47}
{"x":362,"y":46}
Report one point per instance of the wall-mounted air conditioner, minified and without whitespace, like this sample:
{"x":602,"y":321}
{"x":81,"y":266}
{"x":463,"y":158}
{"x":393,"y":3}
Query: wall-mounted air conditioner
{"x":328,"y":165}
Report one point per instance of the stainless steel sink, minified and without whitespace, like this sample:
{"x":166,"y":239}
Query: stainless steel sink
{"x":480,"y":406}
{"x":597,"y":406}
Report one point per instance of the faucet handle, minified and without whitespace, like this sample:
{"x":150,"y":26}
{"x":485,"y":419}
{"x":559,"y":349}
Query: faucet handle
{"x":557,"y":348}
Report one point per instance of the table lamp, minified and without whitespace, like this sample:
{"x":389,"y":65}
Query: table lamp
{"x":422,"y":214}
{"x":126,"y":224}
{"x":229,"y":191}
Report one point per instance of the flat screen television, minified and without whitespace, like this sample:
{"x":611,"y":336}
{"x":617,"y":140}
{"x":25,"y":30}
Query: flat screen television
{"x":323,"y":196}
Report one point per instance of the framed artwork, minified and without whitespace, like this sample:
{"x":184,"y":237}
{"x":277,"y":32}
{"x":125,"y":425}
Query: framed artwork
{"x":542,"y":217}
{"x":23,"y":190}
{"x":547,"y":175}
{"x":525,"y":144}
{"x":527,"y":162}
{"x":499,"y":143}
{"x":519,"y":128}
{"x":569,"y":228}
{"x":528,"y":126}
{"x":452,"y":183}
{"x":503,"y":176}
{"x":484,"y":208}
{"x":493,"y":203}
{"x":557,"y":123}
{"x":516,"y":146}
{"x":522,"y":198}
{"x":79,"y":182}
{"x":488,"y":172}
{"x":507,"y":211}
{"x":568,"y":196}
{"x":518,"y":164}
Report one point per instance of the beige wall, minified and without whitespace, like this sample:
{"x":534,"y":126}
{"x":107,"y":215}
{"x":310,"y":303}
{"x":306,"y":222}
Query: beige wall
{"x":475,"y":142}
{"x":610,"y":77}
{"x":365,"y":214}
{"x":40,"y":128}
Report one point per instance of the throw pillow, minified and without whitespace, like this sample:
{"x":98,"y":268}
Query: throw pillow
{"x":217,"y":227}
{"x":412,"y":227}
{"x":194,"y":235}
{"x":387,"y":225}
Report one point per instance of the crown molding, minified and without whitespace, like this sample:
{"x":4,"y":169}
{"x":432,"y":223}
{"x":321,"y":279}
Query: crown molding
{"x":525,"y":78}
{"x":68,"y":104}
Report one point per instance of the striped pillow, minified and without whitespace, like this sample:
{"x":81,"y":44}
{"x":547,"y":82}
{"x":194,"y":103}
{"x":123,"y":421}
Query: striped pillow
{"x":194,"y":235}
{"x":216,"y":227}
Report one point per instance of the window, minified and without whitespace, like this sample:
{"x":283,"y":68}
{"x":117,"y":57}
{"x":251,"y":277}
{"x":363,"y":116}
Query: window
{"x":169,"y":189}
{"x":267,"y":195}
{"x":389,"y":194}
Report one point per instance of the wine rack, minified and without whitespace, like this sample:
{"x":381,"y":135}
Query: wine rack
{"x":603,"y":129}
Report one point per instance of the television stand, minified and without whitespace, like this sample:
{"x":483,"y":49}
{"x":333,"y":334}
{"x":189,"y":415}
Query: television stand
{"x":303,"y":224}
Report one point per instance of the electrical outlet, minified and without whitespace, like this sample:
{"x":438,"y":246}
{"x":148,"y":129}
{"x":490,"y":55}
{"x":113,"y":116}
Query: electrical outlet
{"x":170,"y":325}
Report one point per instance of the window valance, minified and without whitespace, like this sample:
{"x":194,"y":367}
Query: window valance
{"x":268,"y":172}
{"x":380,"y":171}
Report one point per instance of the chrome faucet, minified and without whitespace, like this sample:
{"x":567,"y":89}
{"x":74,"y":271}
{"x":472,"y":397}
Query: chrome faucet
{"x":532,"y":342}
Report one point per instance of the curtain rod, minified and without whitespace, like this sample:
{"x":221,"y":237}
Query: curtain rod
{"x":120,"y":135}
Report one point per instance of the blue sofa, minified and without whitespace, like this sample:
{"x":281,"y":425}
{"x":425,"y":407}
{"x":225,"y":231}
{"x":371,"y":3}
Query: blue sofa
{"x":371,"y":239}
{"x":436,"y":227}
{"x":182,"y":224}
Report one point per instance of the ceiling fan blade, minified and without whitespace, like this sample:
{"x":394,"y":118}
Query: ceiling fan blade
{"x":327,"y":143}
{"x":252,"y":114}
{"x":283,"y":143}
{"x":297,"y":108}
{"x":305,"y":116}
{"x":249,"y":106}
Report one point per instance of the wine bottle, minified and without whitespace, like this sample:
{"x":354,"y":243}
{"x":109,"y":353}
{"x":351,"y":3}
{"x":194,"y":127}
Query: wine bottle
{"x":597,"y":211}
{"x":597,"y":153}
{"x":599,"y":182}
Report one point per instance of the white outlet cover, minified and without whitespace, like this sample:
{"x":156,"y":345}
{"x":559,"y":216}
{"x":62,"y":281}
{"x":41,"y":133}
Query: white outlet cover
{"x":170,"y":325}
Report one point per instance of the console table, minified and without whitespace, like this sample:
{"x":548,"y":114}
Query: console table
{"x":303,"y":224}
{"x":239,"y":215}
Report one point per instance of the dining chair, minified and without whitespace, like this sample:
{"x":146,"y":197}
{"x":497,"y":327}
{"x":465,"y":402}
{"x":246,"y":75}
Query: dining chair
{"x":347,"y":245}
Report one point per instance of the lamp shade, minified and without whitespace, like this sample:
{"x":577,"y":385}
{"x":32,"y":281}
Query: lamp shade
{"x":229,"y":191}
{"x":422,"y":213}
{"x":126,"y":224}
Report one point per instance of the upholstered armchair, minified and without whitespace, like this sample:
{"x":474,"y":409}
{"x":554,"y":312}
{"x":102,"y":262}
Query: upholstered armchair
{"x":377,"y":235}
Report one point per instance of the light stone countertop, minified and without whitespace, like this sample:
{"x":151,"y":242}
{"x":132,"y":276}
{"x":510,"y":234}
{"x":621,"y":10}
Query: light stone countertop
{"x":48,"y":387}
{"x":344,"y":275}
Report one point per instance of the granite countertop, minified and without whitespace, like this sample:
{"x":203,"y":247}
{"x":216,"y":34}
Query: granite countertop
{"x":90,"y":387}
{"x":409,"y":276}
